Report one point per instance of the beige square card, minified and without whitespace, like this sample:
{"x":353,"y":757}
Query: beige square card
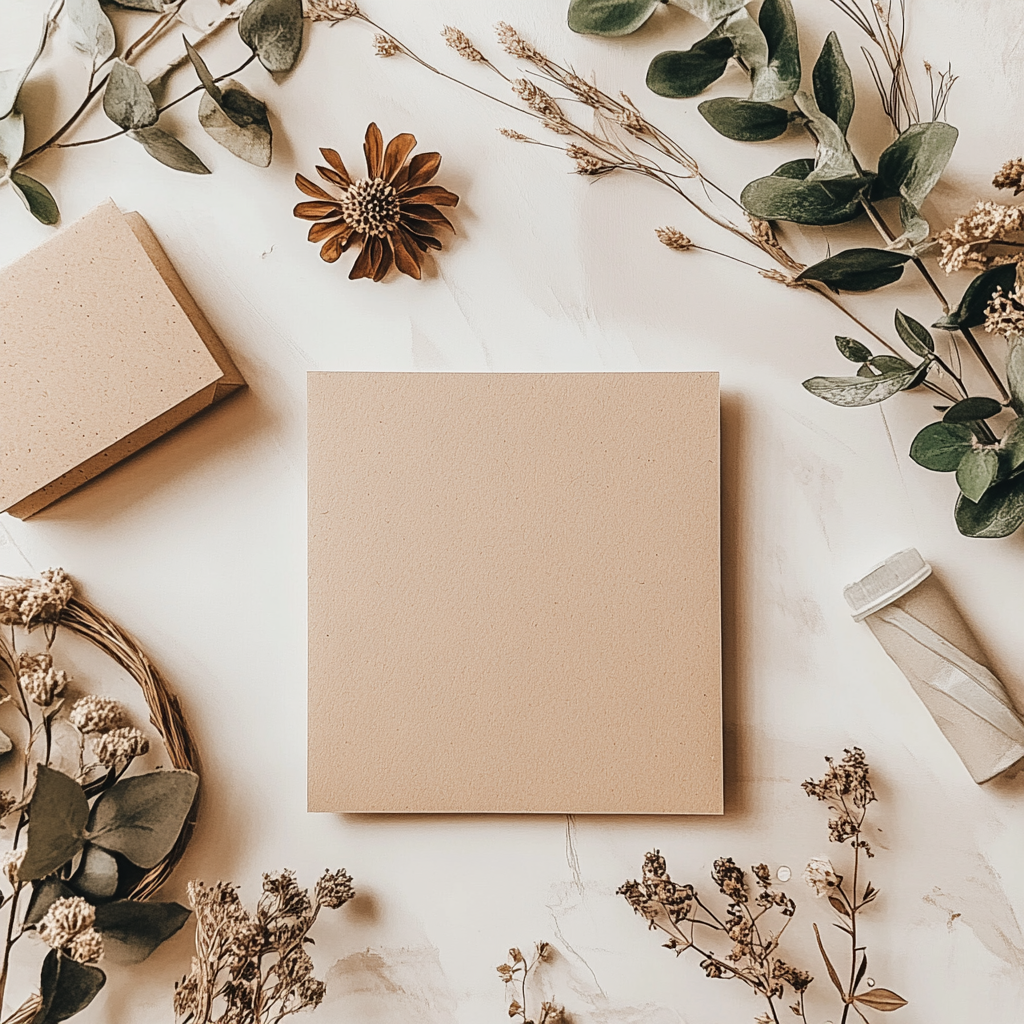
{"x":514,"y":593}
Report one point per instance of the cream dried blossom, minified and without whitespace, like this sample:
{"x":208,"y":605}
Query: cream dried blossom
{"x":95,"y":714}
{"x":119,"y":745}
{"x":462,"y":45}
{"x":1011,"y":175}
{"x":965,"y":243}
{"x":511,"y":133}
{"x":39,"y":680}
{"x":10,"y":864}
{"x":673,"y":238}
{"x":66,"y":918}
{"x":330,"y":10}
{"x":820,"y":876}
{"x":1005,"y":313}
{"x":538,"y":100}
{"x":385,"y":46}
{"x":515,"y":45}
{"x":86,"y":947}
{"x":28,"y":602}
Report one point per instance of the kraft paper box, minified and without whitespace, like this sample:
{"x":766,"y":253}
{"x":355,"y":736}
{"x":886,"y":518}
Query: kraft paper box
{"x":514,"y":593}
{"x":102,"y":351}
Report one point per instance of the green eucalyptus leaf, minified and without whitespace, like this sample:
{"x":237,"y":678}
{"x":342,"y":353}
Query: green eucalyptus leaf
{"x":66,"y":987}
{"x":998,"y":513}
{"x":202,"y":71}
{"x":971,"y":310}
{"x":90,"y":30}
{"x":132,"y":930}
{"x":853,"y":349}
{"x":889,"y":364}
{"x":914,"y":335}
{"x":239,"y":123}
{"x":680,"y":73}
{"x":609,"y":17}
{"x":44,"y":894}
{"x":857,"y":270}
{"x":781,"y":197}
{"x":941,"y":446}
{"x":22,"y":39}
{"x":36,"y":197}
{"x":1012,"y":445}
{"x":780,"y":77}
{"x":744,"y":120}
{"x":12,"y":142}
{"x":833,"y":158}
{"x":168,"y":150}
{"x":97,"y":875}
{"x":976,"y":472}
{"x":57,"y":815}
{"x":749,"y":43}
{"x":796,"y":169}
{"x":866,"y":371}
{"x":141,"y":817}
{"x":833,"y":83}
{"x":272,"y":29}
{"x":709,"y":11}
{"x":1015,"y":374}
{"x":127,"y":100}
{"x":912,"y":165}
{"x":853,"y":392}
{"x":971,"y":409}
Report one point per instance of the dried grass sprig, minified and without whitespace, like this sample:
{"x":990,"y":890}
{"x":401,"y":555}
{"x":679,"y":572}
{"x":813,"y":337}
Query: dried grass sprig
{"x":516,"y":973}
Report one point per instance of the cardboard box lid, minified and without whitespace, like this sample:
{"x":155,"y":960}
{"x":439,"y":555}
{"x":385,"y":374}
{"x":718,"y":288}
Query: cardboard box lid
{"x":102,"y":349}
{"x":514,"y":593}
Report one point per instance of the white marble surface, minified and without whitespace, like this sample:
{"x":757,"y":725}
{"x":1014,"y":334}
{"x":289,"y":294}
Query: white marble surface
{"x":198,"y":545}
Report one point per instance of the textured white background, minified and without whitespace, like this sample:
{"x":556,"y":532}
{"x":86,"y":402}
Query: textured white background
{"x":198,"y":544}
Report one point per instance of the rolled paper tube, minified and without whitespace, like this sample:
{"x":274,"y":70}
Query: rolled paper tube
{"x":920,"y":628}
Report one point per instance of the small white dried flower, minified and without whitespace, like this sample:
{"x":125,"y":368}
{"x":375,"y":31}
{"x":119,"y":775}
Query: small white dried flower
{"x":39,"y":680}
{"x":329,"y":10}
{"x":10,"y":863}
{"x":86,"y":947}
{"x":673,"y":238}
{"x":515,"y":45}
{"x":119,"y":745}
{"x":820,"y":876}
{"x":537,"y":99}
{"x":93,"y":714}
{"x":462,"y":44}
{"x":385,"y":46}
{"x":24,"y":602}
{"x":66,"y":918}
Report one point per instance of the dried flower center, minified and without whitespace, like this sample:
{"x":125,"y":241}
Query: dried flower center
{"x":371,"y":207}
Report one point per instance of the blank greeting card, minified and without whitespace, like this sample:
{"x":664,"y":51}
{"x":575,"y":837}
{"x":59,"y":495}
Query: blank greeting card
{"x":514,"y":593}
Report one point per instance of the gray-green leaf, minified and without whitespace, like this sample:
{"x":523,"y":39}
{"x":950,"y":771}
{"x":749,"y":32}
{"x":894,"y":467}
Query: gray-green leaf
{"x":57,"y":814}
{"x":969,"y":410}
{"x":67,"y":987}
{"x":202,"y":71}
{"x":21,"y":43}
{"x":709,"y":11}
{"x":239,"y":123}
{"x":126,"y":99}
{"x":749,"y":43}
{"x":833,"y":83}
{"x":681,"y":73}
{"x":853,"y":349}
{"x":914,"y":335}
{"x":1012,"y":445}
{"x":780,"y":77}
{"x":853,"y":392}
{"x":97,"y":875}
{"x":132,"y":930}
{"x":609,"y":17}
{"x":784,"y":197}
{"x":913,"y":164}
{"x":90,"y":30}
{"x":44,"y":894}
{"x":12,"y":142}
{"x":1015,"y":374}
{"x":971,"y":310}
{"x":168,"y":150}
{"x":998,"y":514}
{"x":141,"y":5}
{"x":857,"y":270}
{"x":941,"y":446}
{"x":142,"y":816}
{"x":976,"y":472}
{"x":36,"y":197}
{"x":744,"y":120}
{"x":272,"y":29}
{"x":833,"y":158}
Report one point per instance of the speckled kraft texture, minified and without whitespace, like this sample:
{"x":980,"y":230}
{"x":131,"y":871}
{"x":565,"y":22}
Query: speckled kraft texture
{"x":514,"y":593}
{"x":102,"y":351}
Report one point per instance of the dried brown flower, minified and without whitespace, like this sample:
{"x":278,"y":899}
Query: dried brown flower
{"x":846,"y":788}
{"x":1005,"y":313}
{"x":966,"y":242}
{"x":119,"y":745}
{"x":673,"y":238}
{"x":510,"y":133}
{"x":462,"y":44}
{"x":28,"y":602}
{"x":392,"y":214}
{"x":329,"y":10}
{"x":515,"y":45}
{"x":95,"y":714}
{"x":10,"y":863}
{"x":538,"y":100}
{"x":1011,"y":175}
{"x":39,"y":680}
{"x":385,"y":46}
